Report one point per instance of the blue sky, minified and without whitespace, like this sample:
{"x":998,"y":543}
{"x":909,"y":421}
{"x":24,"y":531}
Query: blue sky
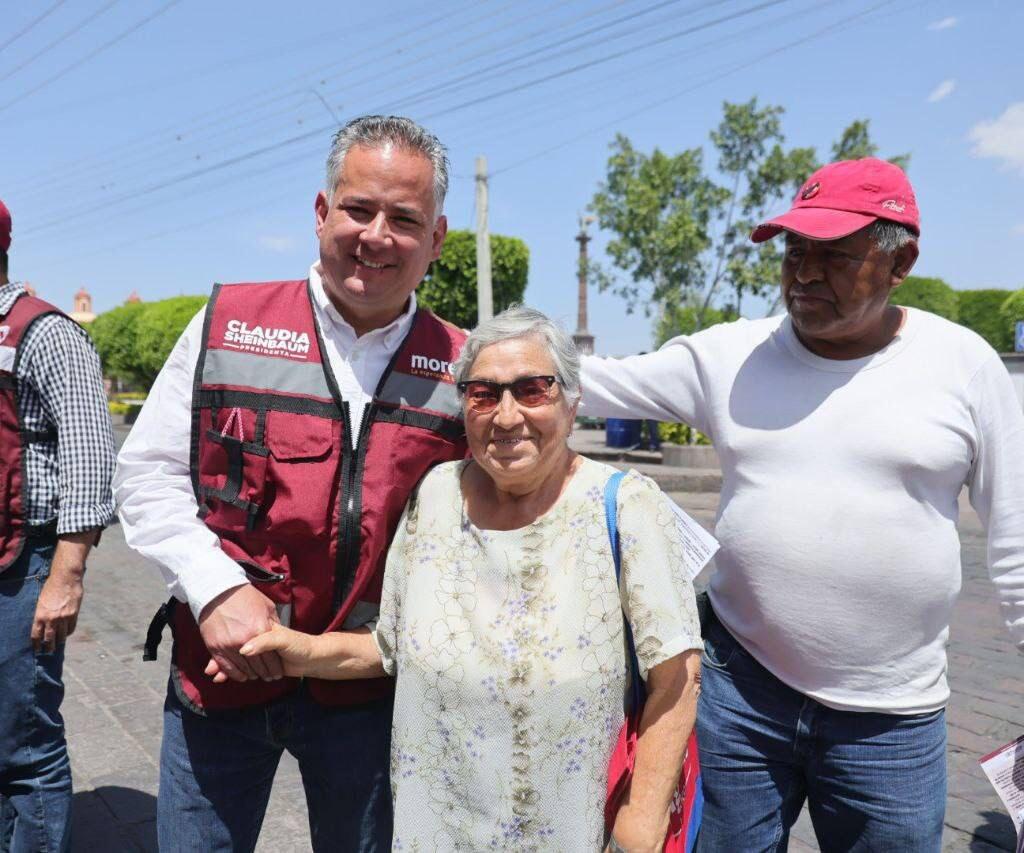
{"x":157,"y":145}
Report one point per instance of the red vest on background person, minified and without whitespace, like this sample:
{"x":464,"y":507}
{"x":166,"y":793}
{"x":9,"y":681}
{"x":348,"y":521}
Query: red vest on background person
{"x":14,"y":438}
{"x":307,"y":516}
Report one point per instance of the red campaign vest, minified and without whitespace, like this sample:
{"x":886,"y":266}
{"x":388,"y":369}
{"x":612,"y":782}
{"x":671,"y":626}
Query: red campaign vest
{"x":13,"y":437}
{"x":308,"y":518}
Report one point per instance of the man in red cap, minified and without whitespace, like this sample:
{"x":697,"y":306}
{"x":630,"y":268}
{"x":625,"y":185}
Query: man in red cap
{"x":56,"y":461}
{"x":846,"y":430}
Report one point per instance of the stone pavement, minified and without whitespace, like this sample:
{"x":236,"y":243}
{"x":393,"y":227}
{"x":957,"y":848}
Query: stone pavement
{"x":113,"y":709}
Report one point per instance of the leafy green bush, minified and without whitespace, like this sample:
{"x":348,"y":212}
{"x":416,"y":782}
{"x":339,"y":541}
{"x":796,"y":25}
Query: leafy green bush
{"x":928,"y":294}
{"x":979,"y":311}
{"x":449,"y":288}
{"x":1011,"y":311}
{"x":159,"y":328}
{"x":680,"y":434}
{"x":114,"y":334}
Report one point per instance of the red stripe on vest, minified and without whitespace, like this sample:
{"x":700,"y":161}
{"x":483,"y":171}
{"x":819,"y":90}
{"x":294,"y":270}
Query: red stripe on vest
{"x":276,"y":478}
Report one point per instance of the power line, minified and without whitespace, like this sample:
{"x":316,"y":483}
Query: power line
{"x":192,"y":174}
{"x":558,"y":100}
{"x":507,"y":66}
{"x":92,"y":54}
{"x":88,"y":19}
{"x":217,"y":121}
{"x":31,"y":25}
{"x":188,"y":176}
{"x":610,"y":57}
{"x":840,"y":25}
{"x":428,"y":94}
{"x":217,"y":115}
{"x":836,"y":26}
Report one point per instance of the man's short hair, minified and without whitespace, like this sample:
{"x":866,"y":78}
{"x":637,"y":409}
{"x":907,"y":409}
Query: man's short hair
{"x":3,"y":262}
{"x":379,"y":131}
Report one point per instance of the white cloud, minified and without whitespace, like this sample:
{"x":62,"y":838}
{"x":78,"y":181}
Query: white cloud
{"x":943,"y":90}
{"x":944,"y":23}
{"x":277,"y":244}
{"x":1002,"y":138}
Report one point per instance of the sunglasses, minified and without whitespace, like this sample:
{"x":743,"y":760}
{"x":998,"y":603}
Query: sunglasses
{"x":484,"y":396}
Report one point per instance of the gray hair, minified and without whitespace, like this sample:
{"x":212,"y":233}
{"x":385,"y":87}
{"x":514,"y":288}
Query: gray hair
{"x":890,"y":236}
{"x":381,"y":131}
{"x":519,"y":321}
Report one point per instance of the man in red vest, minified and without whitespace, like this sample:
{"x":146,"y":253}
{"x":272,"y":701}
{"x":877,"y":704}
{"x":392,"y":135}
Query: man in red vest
{"x":56,"y":460}
{"x":266,"y":475}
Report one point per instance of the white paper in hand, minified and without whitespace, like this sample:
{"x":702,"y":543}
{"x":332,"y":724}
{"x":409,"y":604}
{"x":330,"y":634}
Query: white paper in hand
{"x":1005,"y":770}
{"x":700,"y":545}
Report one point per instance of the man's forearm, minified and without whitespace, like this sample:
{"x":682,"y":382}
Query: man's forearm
{"x":71,"y":551}
{"x":61,"y":596}
{"x":662,"y":386}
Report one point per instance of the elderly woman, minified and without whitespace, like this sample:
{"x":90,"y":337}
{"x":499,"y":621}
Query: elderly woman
{"x":503,"y":624}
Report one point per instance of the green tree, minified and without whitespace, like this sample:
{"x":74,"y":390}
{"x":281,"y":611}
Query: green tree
{"x":682,"y":320}
{"x":115,"y":334}
{"x":761,"y":176}
{"x":855,"y":142}
{"x":979,"y":311}
{"x":1012,"y":311}
{"x":928,"y":294}
{"x":682,"y":236}
{"x":449,"y":289}
{"x":659,"y":211}
{"x":159,"y":328}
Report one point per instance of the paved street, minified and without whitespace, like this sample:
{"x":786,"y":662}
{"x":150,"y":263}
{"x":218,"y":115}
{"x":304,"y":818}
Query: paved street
{"x":113,"y":711}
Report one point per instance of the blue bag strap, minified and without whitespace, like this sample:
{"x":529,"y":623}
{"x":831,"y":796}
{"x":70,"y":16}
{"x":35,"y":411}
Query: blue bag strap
{"x":611,"y":514}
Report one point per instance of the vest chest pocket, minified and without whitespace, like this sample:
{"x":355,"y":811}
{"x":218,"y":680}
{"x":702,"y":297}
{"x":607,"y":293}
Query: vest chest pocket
{"x":302,"y":477}
{"x":233,"y":475}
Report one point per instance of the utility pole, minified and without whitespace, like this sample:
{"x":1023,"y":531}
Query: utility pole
{"x":583,"y":339}
{"x":484,"y":299}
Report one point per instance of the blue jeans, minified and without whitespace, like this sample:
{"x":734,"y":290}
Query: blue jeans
{"x":35,"y":775}
{"x":872,"y":781}
{"x":216,"y":772}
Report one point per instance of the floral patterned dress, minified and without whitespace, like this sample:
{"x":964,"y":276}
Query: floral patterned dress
{"x":509,"y":655}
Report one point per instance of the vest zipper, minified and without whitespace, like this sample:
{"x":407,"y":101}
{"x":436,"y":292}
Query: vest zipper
{"x":348,"y":452}
{"x":350,"y":476}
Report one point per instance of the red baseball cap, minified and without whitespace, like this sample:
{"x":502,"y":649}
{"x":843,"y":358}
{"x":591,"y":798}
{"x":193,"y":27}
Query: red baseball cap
{"x":844,"y":197}
{"x":5,"y":228}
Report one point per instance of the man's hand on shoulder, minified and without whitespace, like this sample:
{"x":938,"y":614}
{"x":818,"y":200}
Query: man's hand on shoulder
{"x":232,"y":619}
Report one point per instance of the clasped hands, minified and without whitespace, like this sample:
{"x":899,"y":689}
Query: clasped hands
{"x":246,"y":641}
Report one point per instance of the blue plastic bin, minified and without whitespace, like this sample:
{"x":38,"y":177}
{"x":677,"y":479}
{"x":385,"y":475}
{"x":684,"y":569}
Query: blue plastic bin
{"x":619,"y":432}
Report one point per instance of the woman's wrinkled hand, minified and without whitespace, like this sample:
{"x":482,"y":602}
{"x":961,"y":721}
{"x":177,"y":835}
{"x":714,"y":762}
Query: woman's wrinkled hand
{"x":294,"y":648}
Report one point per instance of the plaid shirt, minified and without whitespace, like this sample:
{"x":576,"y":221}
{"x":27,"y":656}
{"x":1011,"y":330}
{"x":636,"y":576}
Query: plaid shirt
{"x":60,"y":389}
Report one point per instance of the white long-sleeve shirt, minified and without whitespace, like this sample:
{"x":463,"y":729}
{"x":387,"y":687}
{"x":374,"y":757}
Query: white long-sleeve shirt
{"x":840,"y":559}
{"x":152,"y":484}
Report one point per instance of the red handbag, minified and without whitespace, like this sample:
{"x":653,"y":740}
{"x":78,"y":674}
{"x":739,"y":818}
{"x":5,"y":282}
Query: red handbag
{"x":688,"y":800}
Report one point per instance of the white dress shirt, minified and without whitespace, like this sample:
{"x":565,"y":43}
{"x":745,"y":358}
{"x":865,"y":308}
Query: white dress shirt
{"x":152,"y":484}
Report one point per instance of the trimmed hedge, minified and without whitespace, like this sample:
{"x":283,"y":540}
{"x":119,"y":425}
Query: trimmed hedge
{"x":979,"y":311}
{"x":928,"y":294}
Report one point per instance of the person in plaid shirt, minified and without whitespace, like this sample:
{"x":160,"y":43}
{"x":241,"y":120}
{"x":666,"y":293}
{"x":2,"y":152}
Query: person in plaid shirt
{"x":68,"y":460}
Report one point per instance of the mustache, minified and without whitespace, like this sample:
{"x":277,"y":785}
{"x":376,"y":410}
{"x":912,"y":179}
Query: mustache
{"x":811,"y":291}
